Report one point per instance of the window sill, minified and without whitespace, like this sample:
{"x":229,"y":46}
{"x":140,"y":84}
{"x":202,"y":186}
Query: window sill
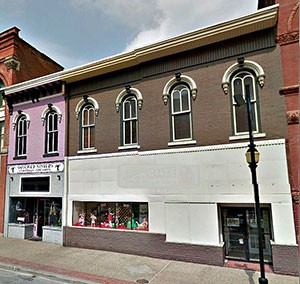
{"x":184,"y":142}
{"x":128,"y":147}
{"x":246,"y":136}
{"x":87,"y":151}
{"x":50,"y":155}
{"x":20,"y":158}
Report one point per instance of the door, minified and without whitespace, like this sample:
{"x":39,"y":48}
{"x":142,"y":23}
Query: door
{"x":240,"y":233}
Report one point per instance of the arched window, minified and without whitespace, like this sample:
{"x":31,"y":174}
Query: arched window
{"x":129,"y":121}
{"x":243,"y":83}
{"x":21,"y":136}
{"x":129,"y":102}
{"x":180,"y":90}
{"x":87,"y":126}
{"x":240,"y":80}
{"x":86,"y":111}
{"x":51,"y":146}
{"x":181,"y":113}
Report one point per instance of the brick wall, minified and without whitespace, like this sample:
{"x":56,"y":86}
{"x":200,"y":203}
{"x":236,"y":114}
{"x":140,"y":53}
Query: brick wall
{"x":286,"y":259}
{"x":141,"y":243}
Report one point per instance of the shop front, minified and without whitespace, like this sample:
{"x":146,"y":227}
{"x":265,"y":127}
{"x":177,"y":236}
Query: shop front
{"x":34,"y":201}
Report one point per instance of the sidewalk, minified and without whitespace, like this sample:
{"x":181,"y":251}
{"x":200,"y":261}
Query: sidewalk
{"x":92,"y":266}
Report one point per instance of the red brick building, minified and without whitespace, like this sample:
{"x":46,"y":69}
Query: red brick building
{"x":288,"y":38}
{"x":19,"y":61}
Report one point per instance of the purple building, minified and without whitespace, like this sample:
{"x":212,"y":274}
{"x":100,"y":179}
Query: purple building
{"x":35,"y":178}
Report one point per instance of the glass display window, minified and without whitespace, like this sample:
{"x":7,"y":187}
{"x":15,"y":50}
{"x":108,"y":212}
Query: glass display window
{"x":111,"y":215}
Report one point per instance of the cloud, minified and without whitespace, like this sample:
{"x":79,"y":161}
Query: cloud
{"x":178,"y":16}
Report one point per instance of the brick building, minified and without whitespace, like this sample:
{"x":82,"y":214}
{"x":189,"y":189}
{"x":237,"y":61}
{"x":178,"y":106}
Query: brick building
{"x":19,"y":61}
{"x":155,"y":147}
{"x":288,"y":39}
{"x":155,"y":150}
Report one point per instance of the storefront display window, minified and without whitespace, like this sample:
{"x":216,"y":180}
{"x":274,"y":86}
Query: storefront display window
{"x":37,"y":210}
{"x":121,"y":215}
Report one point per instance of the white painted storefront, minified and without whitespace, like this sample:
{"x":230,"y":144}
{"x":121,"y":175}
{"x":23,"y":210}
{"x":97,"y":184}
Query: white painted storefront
{"x":185,"y":188}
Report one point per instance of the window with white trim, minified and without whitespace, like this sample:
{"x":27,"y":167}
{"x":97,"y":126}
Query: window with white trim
{"x":21,"y":136}
{"x":129,"y":121}
{"x":51,"y":132}
{"x":243,"y":79}
{"x":87,"y":127}
{"x":242,"y":83}
{"x":181,"y":113}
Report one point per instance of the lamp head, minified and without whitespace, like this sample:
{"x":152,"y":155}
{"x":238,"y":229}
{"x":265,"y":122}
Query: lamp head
{"x":248,"y":156}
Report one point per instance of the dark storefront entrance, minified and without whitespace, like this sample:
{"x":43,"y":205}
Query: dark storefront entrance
{"x":240,"y":233}
{"x":40,"y":211}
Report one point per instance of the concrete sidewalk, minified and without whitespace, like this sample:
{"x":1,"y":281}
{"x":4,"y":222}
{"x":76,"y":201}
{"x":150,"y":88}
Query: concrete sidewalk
{"x":91,"y":266}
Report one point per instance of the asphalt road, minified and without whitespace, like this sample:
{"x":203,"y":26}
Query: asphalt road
{"x":8,"y":276}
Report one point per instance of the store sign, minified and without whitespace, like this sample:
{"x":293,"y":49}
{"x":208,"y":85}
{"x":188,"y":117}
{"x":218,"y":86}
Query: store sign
{"x":36,"y":168}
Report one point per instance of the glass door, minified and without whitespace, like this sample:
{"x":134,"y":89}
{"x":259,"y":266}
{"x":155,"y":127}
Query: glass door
{"x":240,"y":233}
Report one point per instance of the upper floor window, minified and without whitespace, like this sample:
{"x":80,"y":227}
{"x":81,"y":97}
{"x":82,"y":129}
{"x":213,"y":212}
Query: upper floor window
{"x":242,"y":84}
{"x":129,"y":121}
{"x":130,"y":100}
{"x":51,"y":117}
{"x":86,"y":111}
{"x":21,"y":136}
{"x":181,"y":113}
{"x":241,"y":80}
{"x":180,"y":90}
{"x":51,"y":132}
{"x":88,"y":126}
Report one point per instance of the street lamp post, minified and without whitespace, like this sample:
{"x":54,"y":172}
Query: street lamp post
{"x":252,"y":156}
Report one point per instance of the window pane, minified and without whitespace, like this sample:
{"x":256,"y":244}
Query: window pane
{"x":133,"y":108}
{"x":238,"y":87}
{"x":182,"y":126}
{"x":91,"y":116}
{"x":127,"y":110}
{"x":55,"y":141}
{"x":176,"y":101}
{"x":185,"y":99}
{"x":127,"y":132}
{"x":241,"y":119}
{"x":85,"y":117}
{"x":249,"y":87}
{"x":85,"y":138}
{"x":92,"y":137}
{"x":134,"y":140}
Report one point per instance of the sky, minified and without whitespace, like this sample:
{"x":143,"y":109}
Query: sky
{"x":77,"y":32}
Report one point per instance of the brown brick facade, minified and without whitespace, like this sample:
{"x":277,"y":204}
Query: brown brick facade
{"x":286,"y":259}
{"x":211,"y":109}
{"x":144,"y":244}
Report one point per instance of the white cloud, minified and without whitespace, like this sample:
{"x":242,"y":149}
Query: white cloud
{"x":180,"y":16}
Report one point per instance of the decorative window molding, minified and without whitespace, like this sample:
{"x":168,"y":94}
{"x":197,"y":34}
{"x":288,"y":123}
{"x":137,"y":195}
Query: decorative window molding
{"x":82,"y":102}
{"x":50,"y":108}
{"x":87,"y":126}
{"x":176,"y":79}
{"x":128,"y":90}
{"x":16,"y":117}
{"x":247,"y":64}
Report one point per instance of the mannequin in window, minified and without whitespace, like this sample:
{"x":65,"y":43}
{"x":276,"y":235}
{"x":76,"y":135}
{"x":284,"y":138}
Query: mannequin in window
{"x":53,"y":214}
{"x":93,"y":219}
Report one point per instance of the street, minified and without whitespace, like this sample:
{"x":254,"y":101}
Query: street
{"x":17,"y":277}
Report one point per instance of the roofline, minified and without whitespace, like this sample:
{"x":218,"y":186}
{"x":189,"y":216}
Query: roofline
{"x":260,"y":20}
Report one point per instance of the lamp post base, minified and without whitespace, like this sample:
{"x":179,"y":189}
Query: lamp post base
{"x":262,"y":280}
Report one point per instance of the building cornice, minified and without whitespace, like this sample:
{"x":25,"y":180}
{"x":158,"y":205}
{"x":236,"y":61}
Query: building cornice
{"x":262,"y":19}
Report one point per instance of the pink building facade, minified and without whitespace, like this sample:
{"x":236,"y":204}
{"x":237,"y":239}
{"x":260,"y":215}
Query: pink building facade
{"x":35,"y":171}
